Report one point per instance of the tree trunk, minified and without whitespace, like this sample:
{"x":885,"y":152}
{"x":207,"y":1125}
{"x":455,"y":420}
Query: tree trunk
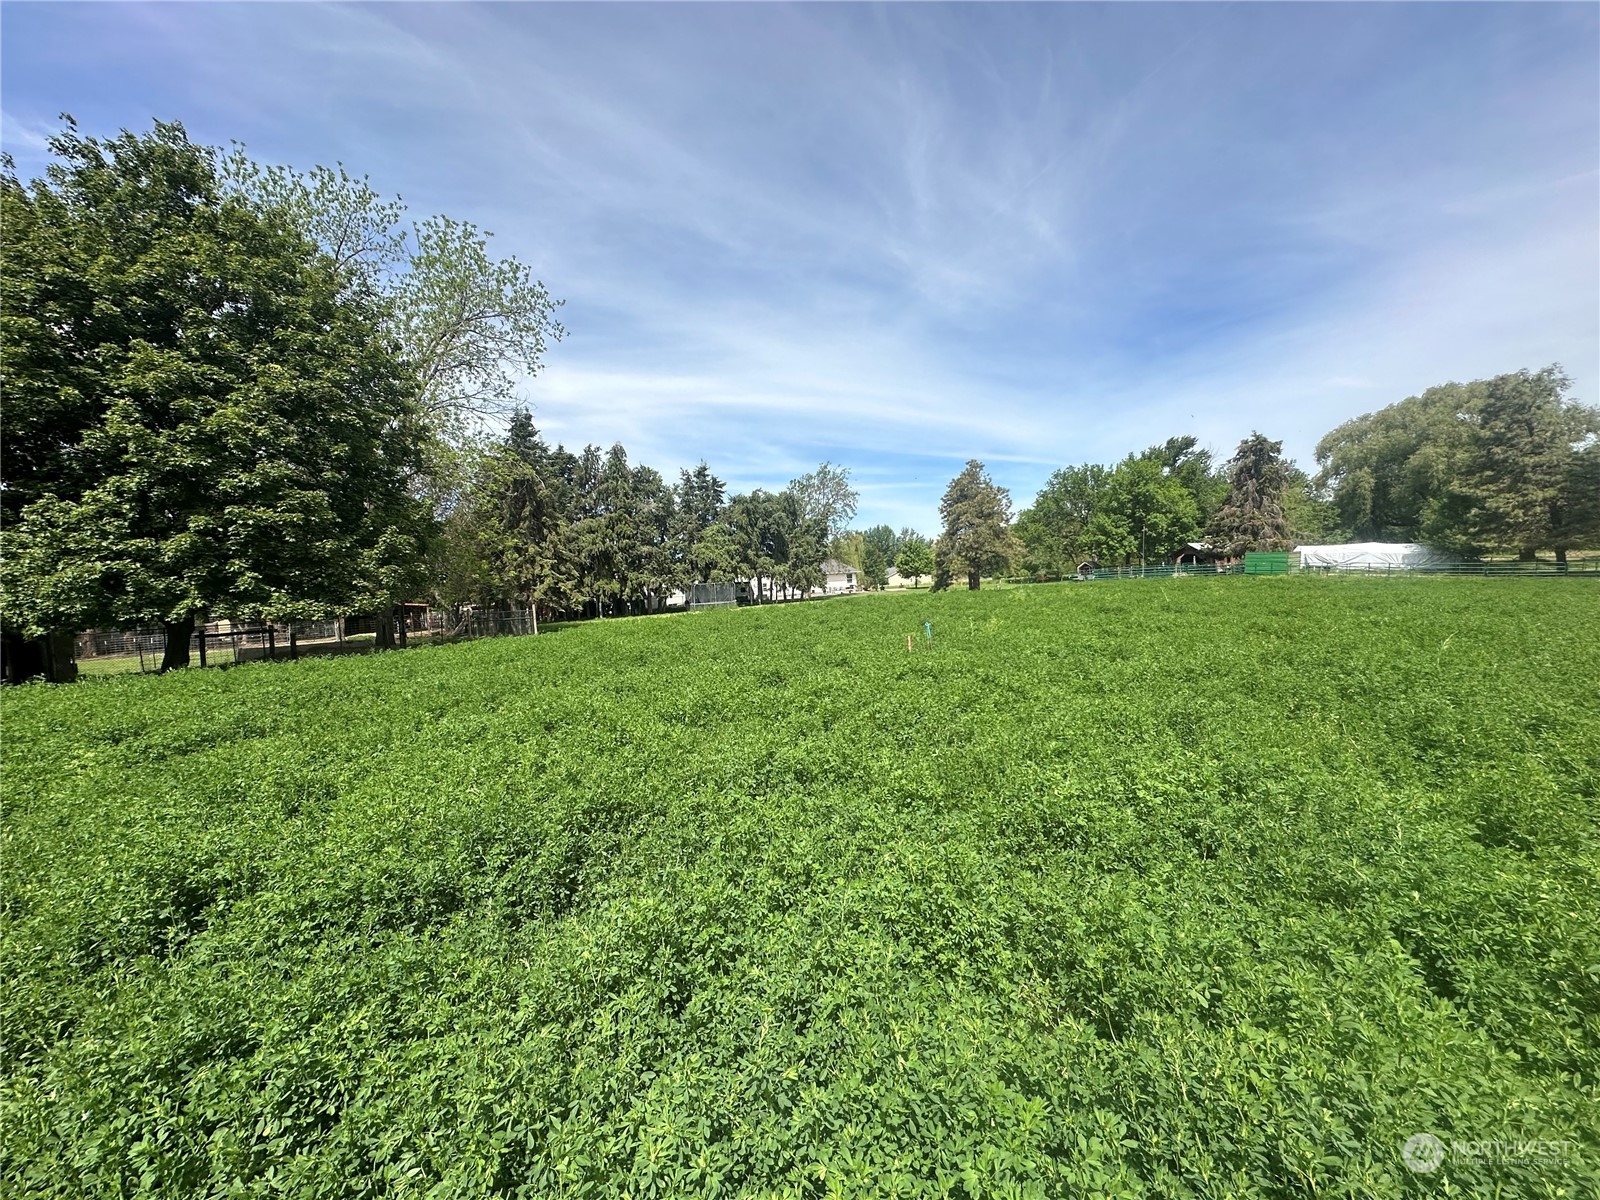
{"x":1529,"y":554}
{"x":383,"y":637}
{"x":177,"y":651}
{"x":974,"y":580}
{"x":1561,"y":559}
{"x":402,"y":619}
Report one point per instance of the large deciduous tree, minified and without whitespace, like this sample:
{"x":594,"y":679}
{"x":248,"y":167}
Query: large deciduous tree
{"x":826,"y":498}
{"x":977,"y":538}
{"x":200,"y":414}
{"x":1531,"y":480}
{"x":1140,"y":513}
{"x":1395,"y":474}
{"x":1497,"y":464}
{"x":1052,"y":529}
{"x":471,"y":324}
{"x":1183,"y":460}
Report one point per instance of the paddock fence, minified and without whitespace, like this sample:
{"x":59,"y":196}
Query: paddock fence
{"x":221,"y":644}
{"x":1583,"y":568}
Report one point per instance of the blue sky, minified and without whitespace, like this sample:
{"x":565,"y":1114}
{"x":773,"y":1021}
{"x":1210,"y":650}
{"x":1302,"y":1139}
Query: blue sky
{"x":899,"y":237}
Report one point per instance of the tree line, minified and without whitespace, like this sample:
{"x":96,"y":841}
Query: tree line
{"x":1508,"y":464}
{"x":241,"y":391}
{"x":591,"y":534}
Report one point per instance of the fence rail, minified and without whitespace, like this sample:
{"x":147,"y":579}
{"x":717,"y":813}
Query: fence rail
{"x":110,"y":652}
{"x":1582,"y":568}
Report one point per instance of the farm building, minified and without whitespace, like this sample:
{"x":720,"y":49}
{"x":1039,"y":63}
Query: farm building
{"x":1198,"y":552}
{"x":1374,"y":556}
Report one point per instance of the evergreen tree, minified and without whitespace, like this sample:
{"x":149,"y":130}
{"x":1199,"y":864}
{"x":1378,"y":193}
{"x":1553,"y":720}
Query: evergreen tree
{"x":1252,"y":517}
{"x":977,"y":538}
{"x":522,"y":525}
{"x":698,"y":507}
{"x":802,"y":572}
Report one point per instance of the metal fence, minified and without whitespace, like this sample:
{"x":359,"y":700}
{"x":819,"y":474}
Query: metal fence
{"x":478,"y":624}
{"x":1497,"y":568}
{"x":131,"y":651}
{"x":712,"y":595}
{"x":122,"y":651}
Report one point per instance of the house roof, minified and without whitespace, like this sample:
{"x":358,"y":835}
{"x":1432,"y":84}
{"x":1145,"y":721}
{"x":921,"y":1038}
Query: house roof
{"x":832,"y":566}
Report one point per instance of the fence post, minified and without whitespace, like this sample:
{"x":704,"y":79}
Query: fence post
{"x":272,"y":643}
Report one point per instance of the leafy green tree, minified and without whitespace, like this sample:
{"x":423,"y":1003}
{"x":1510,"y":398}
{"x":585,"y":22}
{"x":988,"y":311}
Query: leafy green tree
{"x":1395,"y":474}
{"x":1182,"y":459}
{"x":1253,"y":516}
{"x":200,"y":416}
{"x":1052,"y":529}
{"x":1576,"y":520}
{"x":850,"y":547}
{"x":916,"y":558}
{"x":1312,"y":518}
{"x":1528,"y":484}
{"x":472,"y":325}
{"x":1500,"y":463}
{"x":826,"y":497}
{"x":885,"y":539}
{"x":874,"y":569}
{"x":977,"y":538}
{"x":1140,"y":513}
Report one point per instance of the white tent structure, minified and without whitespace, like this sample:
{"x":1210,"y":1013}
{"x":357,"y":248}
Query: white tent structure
{"x":1374,"y":556}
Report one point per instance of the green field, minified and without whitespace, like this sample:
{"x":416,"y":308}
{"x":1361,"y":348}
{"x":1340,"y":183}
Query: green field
{"x":1206,"y":887}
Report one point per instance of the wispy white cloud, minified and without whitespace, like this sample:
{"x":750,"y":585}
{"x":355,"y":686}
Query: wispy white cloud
{"x":899,"y":237}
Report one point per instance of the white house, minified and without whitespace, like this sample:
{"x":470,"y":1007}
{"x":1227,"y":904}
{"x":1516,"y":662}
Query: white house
{"x":841,"y":576}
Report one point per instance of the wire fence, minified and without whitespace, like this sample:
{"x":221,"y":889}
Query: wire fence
{"x":221,"y":644}
{"x":1496,"y":568}
{"x":712,"y":595}
{"x":218,"y":644}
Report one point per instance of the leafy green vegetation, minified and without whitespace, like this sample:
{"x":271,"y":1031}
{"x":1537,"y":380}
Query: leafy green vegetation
{"x":1205,"y":887}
